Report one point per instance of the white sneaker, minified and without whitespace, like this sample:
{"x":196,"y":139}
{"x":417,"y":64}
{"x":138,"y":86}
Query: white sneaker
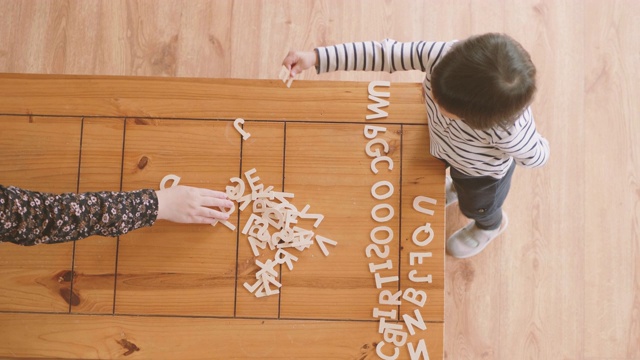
{"x":471,"y":240}
{"x":450,"y":191}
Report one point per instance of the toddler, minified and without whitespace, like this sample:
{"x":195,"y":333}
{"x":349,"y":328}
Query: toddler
{"x":478,"y":93}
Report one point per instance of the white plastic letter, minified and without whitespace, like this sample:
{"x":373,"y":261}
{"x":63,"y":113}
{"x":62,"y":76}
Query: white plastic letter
{"x":376,"y":152}
{"x":418,"y":199}
{"x":235,"y":192}
{"x":395,"y":355}
{"x":377,"y":313}
{"x":236,"y":124}
{"x":386,"y":265}
{"x":371,"y":131}
{"x":387,"y":298}
{"x":286,"y":258}
{"x":255,"y":244}
{"x":321,"y":240}
{"x":375,"y":107}
{"x":420,"y":352}
{"x":414,"y":278}
{"x":418,"y":255}
{"x":375,"y":161}
{"x":372,"y":88}
{"x":252,"y":180}
{"x":392,"y":333}
{"x":412,"y":295}
{"x":378,"y":229}
{"x":252,"y":288}
{"x":417,"y":322}
{"x":383,"y":280}
{"x":374,"y":213}
{"x":175,"y":178}
{"x":376,"y":186}
{"x":426,"y":229}
{"x":285,"y":76}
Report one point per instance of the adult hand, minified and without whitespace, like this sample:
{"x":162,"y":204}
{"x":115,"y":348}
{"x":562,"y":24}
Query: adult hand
{"x":191,"y":205}
{"x":299,"y":61}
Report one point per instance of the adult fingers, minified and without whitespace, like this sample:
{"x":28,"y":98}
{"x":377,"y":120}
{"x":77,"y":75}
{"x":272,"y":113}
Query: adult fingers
{"x":212,"y":214}
{"x":216,"y":202}
{"x":213,"y":193}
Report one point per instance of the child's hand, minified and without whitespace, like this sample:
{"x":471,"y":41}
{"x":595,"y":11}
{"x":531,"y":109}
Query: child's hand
{"x":299,"y":61}
{"x":191,"y":205}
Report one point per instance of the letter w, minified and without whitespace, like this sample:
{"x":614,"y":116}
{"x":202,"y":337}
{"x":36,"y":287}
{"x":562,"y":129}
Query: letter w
{"x":379,"y":103}
{"x":375,"y":107}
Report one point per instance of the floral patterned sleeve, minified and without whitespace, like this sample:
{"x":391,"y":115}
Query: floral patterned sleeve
{"x":31,"y":218}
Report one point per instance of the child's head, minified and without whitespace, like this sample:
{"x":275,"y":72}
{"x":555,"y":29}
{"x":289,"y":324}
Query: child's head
{"x":485,"y":80}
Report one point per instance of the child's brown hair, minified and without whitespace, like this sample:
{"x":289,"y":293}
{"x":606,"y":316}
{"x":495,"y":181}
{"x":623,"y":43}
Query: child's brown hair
{"x":486,"y":80}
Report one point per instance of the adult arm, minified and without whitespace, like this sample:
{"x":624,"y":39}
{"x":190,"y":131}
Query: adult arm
{"x":31,"y":218}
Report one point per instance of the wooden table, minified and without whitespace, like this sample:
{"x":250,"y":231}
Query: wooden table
{"x":176,"y":291}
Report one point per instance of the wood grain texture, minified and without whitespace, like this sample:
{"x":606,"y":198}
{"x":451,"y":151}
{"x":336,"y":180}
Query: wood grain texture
{"x":176,"y":268}
{"x":327,"y":168}
{"x":38,"y":279}
{"x":612,"y":214}
{"x":193,"y":271}
{"x":94,"y":264}
{"x":99,"y":337}
{"x":422,"y":176}
{"x":263,"y":151}
{"x":200,"y":98}
{"x":47,"y":166}
{"x":534,"y":253}
{"x":562,"y":282}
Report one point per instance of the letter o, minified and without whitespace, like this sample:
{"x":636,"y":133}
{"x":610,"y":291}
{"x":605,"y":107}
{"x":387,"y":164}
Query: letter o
{"x":384,"y":241}
{"x":376,"y":186}
{"x":374,"y":213}
{"x":426,"y":228}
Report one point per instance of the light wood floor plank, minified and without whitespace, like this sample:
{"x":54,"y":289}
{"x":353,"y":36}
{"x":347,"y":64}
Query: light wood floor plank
{"x":612,"y":216}
{"x":542,"y":281}
{"x":569,"y":265}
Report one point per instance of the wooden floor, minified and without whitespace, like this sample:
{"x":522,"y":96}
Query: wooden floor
{"x":564,"y":281}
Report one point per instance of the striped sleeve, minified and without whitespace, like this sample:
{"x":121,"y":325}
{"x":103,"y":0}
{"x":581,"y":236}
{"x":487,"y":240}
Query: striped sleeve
{"x":388,"y":56}
{"x":527,"y":147}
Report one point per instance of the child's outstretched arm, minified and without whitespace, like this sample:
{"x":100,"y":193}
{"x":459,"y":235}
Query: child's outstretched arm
{"x":388,"y":55}
{"x":299,"y":61}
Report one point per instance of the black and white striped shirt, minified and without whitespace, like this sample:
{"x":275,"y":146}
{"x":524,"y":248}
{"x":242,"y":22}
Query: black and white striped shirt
{"x":473,"y":152}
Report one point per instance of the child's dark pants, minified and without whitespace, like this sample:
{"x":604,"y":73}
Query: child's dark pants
{"x":481,"y":197}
